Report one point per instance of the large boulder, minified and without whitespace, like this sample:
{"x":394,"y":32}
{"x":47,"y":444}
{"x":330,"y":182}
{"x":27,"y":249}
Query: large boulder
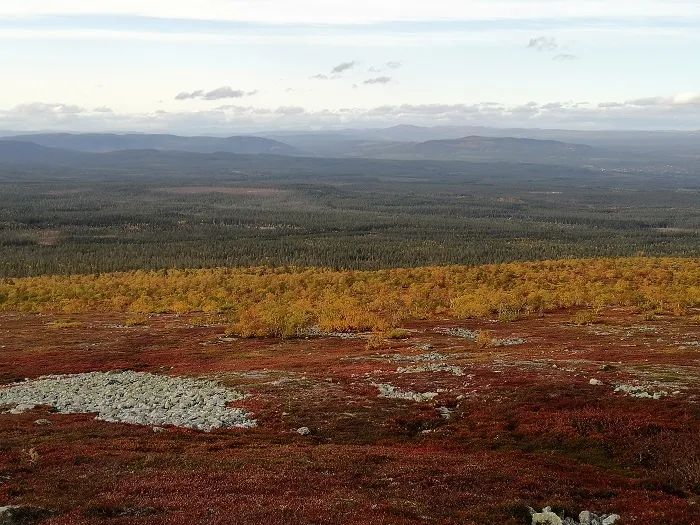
{"x":546,"y":517}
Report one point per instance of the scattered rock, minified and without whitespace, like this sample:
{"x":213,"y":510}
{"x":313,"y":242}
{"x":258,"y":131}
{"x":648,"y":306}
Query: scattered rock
{"x":304,"y":431}
{"x":16,"y":515}
{"x":461,"y":333}
{"x":641,"y":392}
{"x":43,"y":422}
{"x":20,"y":408}
{"x":432,"y":356}
{"x":595,"y":382}
{"x":315,"y":332}
{"x":547,"y":517}
{"x":391,"y":392}
{"x":455,"y":370}
{"x":157,"y":430}
{"x":508,"y":341}
{"x":445,"y":413}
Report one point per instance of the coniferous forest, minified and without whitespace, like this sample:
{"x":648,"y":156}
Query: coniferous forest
{"x":167,"y":212}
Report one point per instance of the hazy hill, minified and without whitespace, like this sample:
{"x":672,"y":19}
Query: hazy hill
{"x":473,"y":148}
{"x":619,"y":140}
{"x":23,"y":152}
{"x":59,"y":147}
{"x":635,"y":150}
{"x":496,"y":148}
{"x":27,"y":155}
{"x":104,"y":142}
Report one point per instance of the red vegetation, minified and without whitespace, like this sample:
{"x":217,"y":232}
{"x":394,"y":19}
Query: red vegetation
{"x":526,"y":426}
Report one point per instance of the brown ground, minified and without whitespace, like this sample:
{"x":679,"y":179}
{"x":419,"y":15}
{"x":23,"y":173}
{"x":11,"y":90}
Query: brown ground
{"x":527,"y":428}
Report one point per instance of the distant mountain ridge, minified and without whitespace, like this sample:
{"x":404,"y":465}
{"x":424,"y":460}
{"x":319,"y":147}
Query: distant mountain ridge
{"x":23,"y":152}
{"x":619,"y":140}
{"x":501,"y":148}
{"x":28,"y":154}
{"x":638,"y":150}
{"x":471,"y":148}
{"x":106,"y":142}
{"x":507,"y":149}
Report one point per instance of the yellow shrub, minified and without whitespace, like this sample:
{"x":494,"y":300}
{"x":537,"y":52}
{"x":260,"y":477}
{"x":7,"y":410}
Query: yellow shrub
{"x":287,"y":301}
{"x":585,"y":317}
{"x":66,"y":323}
{"x":377,"y":342}
{"x":397,"y":333}
{"x":139,"y":320}
{"x":484,"y":339}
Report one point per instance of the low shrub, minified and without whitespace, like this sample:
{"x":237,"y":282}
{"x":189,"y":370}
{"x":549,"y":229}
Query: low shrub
{"x":139,"y":320}
{"x":585,"y":317}
{"x":484,"y":339}
{"x":66,"y":323}
{"x":397,"y":333}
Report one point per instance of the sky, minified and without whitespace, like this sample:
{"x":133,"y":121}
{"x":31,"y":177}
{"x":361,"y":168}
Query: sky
{"x":220,"y":66}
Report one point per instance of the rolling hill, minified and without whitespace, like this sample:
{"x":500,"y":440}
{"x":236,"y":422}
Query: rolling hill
{"x":498,"y":148}
{"x":106,"y":142}
{"x":471,"y":148}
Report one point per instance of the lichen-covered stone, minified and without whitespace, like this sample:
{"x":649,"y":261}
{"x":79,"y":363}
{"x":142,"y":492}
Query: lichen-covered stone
{"x":133,"y":397}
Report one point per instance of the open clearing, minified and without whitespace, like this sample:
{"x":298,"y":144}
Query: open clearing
{"x":228,"y":190}
{"x":552,"y":421}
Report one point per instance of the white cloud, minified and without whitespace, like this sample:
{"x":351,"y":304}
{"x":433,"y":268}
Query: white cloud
{"x":682,"y":100}
{"x":687,"y":98}
{"x":674,"y":112}
{"x":386,"y":67}
{"x":356,"y":38}
{"x":216,"y":94}
{"x":342,"y":67}
{"x":378,"y":80}
{"x":543,"y":43}
{"x":565,"y":58}
{"x":41,"y":109}
{"x":357,"y":11}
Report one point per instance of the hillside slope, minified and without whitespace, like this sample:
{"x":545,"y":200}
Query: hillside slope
{"x":105,"y":142}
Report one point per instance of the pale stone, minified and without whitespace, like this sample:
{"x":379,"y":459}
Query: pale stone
{"x":546,"y":518}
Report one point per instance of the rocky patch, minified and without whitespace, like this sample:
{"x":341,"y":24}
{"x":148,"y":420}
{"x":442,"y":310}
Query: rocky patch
{"x":391,"y":392}
{"x":133,"y":397}
{"x":547,"y":517}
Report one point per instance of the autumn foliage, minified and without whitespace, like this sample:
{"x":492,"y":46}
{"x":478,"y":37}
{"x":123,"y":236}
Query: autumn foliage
{"x":288,"y":301}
